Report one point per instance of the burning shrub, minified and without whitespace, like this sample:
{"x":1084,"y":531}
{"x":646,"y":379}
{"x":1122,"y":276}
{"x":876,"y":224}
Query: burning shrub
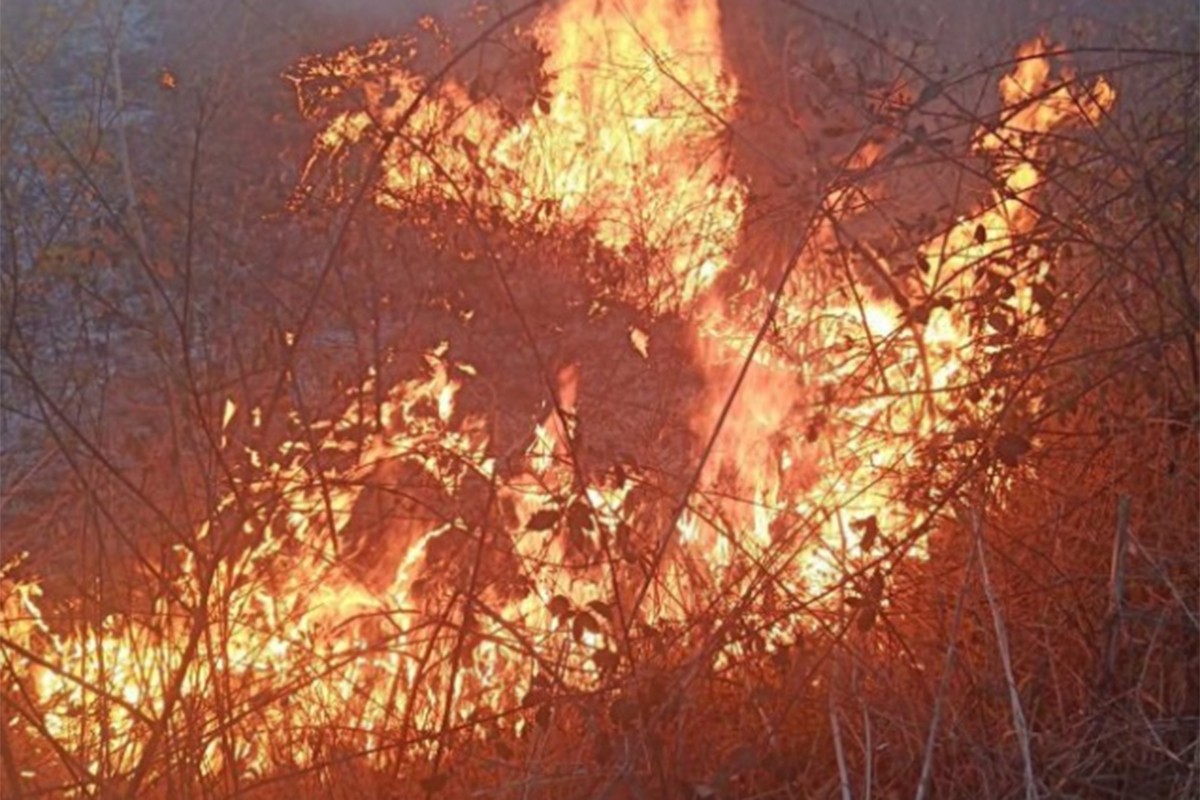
{"x":403,"y":581}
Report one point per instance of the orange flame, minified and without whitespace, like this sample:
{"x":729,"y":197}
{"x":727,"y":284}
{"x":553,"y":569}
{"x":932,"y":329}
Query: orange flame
{"x":277,"y":652}
{"x":624,"y":138}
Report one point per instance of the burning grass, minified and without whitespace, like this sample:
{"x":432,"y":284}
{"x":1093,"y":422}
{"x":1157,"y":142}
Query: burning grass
{"x":387,"y":598}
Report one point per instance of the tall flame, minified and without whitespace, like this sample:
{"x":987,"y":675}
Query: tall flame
{"x":270,"y":646}
{"x":625,"y":138}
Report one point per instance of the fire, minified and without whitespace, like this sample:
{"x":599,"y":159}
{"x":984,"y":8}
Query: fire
{"x":909,"y":359}
{"x":624,"y":138}
{"x":275,"y":646}
{"x":280,"y":616}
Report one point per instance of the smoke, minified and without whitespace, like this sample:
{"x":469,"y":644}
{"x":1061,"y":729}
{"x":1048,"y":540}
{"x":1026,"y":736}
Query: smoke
{"x":373,"y":18}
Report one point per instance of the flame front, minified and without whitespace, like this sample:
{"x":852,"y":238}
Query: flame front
{"x":275,"y":649}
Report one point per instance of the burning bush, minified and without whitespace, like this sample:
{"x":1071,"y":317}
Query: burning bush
{"x":825,"y":519}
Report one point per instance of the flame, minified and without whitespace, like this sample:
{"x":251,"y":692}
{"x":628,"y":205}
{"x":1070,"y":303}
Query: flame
{"x":624,"y":138}
{"x":295,"y":621}
{"x":277,"y":647}
{"x":837,"y":458}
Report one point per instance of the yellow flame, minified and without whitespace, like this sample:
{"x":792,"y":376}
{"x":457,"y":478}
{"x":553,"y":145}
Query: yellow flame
{"x":624,"y":138}
{"x":292,"y":651}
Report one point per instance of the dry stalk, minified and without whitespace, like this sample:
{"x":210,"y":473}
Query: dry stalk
{"x":1019,"y":723}
{"x":843,"y":772}
{"x":868,"y":753}
{"x":1116,"y":609}
{"x":944,"y":684}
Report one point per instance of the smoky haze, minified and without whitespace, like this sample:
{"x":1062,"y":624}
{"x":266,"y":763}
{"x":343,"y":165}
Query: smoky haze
{"x":383,"y":17}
